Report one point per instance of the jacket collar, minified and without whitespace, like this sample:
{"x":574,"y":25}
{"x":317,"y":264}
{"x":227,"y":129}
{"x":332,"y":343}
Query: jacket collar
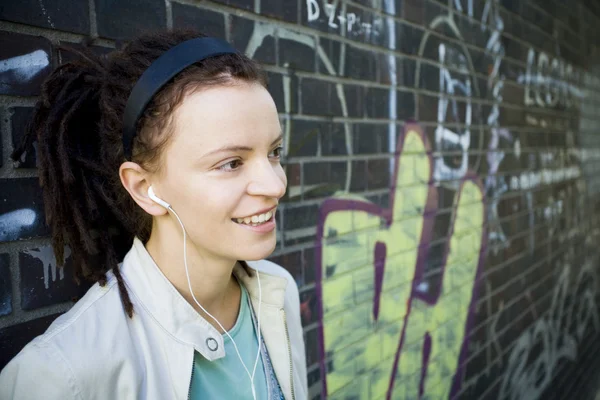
{"x":157,"y":296}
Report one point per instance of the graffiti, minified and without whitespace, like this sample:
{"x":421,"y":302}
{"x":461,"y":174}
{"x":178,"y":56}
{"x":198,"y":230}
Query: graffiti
{"x":454,"y":109}
{"x":348,"y":22}
{"x":495,"y":185}
{"x":26,"y":66}
{"x":380,"y":334}
{"x":468,"y":8}
{"x":390,"y":9}
{"x":549,"y":83}
{"x":558,"y":333}
{"x":13,"y":223}
{"x":46,"y":14}
{"x":46,"y":256}
{"x":545,"y":176}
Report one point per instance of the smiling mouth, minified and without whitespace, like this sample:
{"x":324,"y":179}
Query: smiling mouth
{"x":256,"y":220}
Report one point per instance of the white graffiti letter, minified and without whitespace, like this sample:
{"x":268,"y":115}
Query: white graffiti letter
{"x":529,"y":101}
{"x":351,"y":20}
{"x":312,"y":7}
{"x":543,"y":62}
{"x":330,"y":12}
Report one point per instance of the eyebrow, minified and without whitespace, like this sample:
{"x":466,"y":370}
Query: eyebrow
{"x":234,"y":148}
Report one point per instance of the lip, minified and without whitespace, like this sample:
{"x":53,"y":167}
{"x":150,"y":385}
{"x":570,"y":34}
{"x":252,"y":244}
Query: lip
{"x":258,"y":213}
{"x":265,"y":227}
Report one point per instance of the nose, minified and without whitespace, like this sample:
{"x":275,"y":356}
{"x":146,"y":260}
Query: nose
{"x":267,"y":179}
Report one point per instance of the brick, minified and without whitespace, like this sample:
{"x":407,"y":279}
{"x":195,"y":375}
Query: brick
{"x":21,"y":116}
{"x":408,"y":38}
{"x":300,"y":216}
{"x":311,"y":338}
{"x":377,"y":103}
{"x":115,"y":18}
{"x":3,"y":128}
{"x":243,"y":4}
{"x":308,"y":263}
{"x":284,"y":10}
{"x":362,"y":65}
{"x":413,"y":11}
{"x":297,"y":56}
{"x":434,"y":10}
{"x":370,"y":138}
{"x":25,"y":61}
{"x":378,"y":172}
{"x":65,"y":54}
{"x":331,"y":48}
{"x":21,"y":210}
{"x":333,"y":141}
{"x":356,"y":100}
{"x":240,"y":32}
{"x":405,"y":105}
{"x":537,"y":17}
{"x":405,"y":71}
{"x":64,"y":15}
{"x":304,"y":137}
{"x":14,"y":338}
{"x":319,"y":98}
{"x":309,"y":306}
{"x":208,"y":22}
{"x":5,"y":286}
{"x":43,"y":283}
{"x":328,"y":177}
{"x":292,"y":262}
{"x":278,"y":92}
{"x":358,"y":182}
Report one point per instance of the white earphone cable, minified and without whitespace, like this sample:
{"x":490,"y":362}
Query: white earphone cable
{"x":251,"y":376}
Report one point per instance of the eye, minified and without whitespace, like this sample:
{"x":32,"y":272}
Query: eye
{"x":230,"y":166}
{"x":276,"y":153}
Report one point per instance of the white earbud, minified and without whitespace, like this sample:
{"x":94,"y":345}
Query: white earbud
{"x":156,"y":199}
{"x":187,"y":273}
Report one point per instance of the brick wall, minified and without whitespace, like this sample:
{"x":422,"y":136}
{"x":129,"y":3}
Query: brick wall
{"x":442,"y":216}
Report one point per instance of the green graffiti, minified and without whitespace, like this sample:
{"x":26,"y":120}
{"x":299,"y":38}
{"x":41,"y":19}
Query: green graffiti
{"x":361,"y":350}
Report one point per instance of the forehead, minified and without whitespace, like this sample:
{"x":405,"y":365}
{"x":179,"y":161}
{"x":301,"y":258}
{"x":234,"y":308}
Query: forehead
{"x":218,"y":115}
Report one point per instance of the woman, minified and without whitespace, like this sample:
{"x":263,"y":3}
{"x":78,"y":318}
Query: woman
{"x":168,"y":151}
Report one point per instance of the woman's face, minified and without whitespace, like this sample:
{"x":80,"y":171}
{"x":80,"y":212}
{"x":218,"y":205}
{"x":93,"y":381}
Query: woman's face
{"x":221,"y":170}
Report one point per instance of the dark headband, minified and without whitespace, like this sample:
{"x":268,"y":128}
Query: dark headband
{"x":162,"y":71}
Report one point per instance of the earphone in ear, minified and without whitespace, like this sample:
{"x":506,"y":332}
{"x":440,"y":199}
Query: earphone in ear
{"x":156,"y":199}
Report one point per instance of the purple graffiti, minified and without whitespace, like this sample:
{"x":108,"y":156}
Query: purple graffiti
{"x":423,"y":253}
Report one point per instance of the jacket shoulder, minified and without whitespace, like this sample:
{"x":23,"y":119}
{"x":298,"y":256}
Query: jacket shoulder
{"x":45,"y":367}
{"x":272,"y":268}
{"x":39,"y":371}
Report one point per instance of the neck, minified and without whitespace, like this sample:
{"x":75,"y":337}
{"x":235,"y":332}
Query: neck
{"x":211,"y":279}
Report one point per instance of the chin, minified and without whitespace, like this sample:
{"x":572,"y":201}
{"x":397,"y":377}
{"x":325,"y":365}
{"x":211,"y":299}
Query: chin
{"x":256,"y":252}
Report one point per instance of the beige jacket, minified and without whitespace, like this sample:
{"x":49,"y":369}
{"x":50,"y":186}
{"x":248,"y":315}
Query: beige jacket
{"x":95,"y":351}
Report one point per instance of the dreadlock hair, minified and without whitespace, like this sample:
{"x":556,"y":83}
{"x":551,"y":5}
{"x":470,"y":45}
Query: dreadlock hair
{"x":78,"y":125}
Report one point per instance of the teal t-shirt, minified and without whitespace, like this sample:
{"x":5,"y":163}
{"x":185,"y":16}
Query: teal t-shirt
{"x":226,"y":377}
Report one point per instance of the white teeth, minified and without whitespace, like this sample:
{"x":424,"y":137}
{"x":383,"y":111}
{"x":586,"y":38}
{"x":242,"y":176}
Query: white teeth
{"x":255,"y":219}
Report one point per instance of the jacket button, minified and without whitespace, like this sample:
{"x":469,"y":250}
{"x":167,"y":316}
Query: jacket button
{"x":212,"y":344}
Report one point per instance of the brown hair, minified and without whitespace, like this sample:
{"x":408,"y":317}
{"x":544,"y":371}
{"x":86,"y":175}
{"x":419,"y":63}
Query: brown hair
{"x":78,"y":124}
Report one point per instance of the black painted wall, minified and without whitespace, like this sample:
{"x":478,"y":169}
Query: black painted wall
{"x":442,"y":216}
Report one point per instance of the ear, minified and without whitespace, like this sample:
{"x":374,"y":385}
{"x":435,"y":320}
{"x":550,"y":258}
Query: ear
{"x":135,"y":180}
